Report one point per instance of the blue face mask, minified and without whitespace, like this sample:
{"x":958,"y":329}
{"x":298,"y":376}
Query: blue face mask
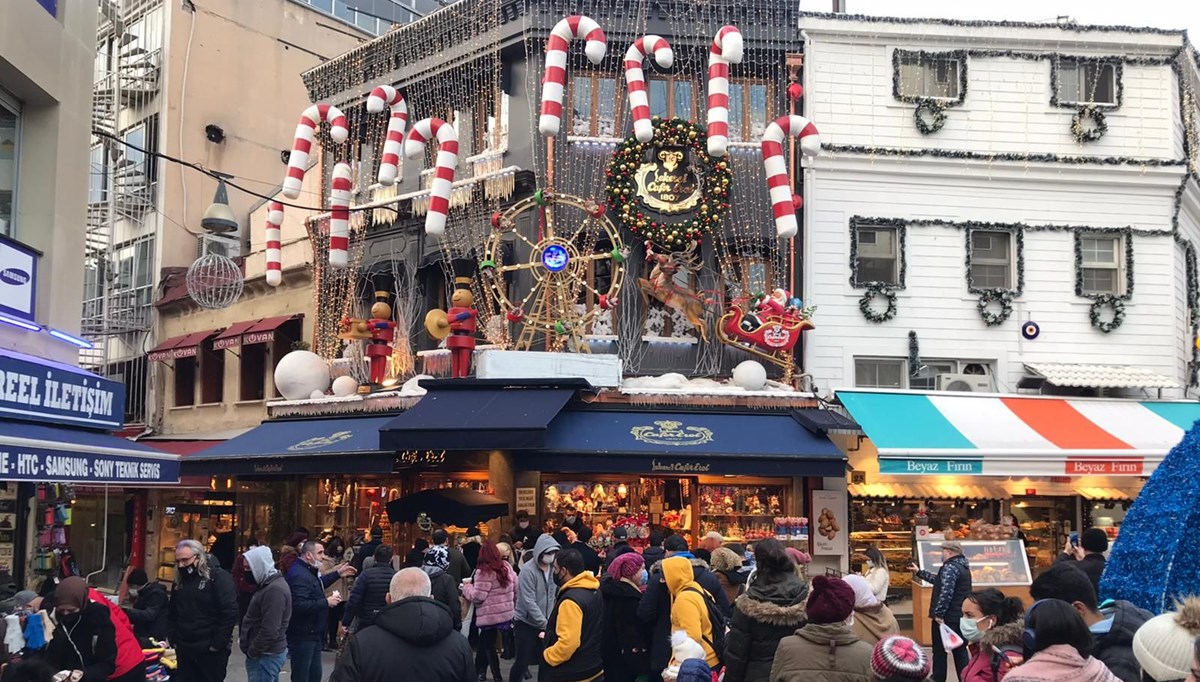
{"x":645,"y":578}
{"x":970,"y":629}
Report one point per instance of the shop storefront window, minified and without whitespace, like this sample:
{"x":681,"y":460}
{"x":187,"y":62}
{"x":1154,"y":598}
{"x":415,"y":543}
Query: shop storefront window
{"x":638,"y":504}
{"x":10,"y":129}
{"x":1045,"y":522}
{"x":742,"y":513}
{"x":204,"y":517}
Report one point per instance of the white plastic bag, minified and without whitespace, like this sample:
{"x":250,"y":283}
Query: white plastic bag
{"x":951,"y":640}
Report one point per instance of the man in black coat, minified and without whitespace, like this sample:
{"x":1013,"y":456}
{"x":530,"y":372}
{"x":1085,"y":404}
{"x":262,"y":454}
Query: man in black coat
{"x":201,"y":615}
{"x":524,"y":534}
{"x":655,"y":607}
{"x":148,"y":615}
{"x":369,"y":595}
{"x":413,"y":638}
{"x":951,"y":586}
{"x":591,"y":560}
{"x":1088,"y":556}
{"x":367,"y":549}
{"x":620,"y":546}
{"x":310,"y":610}
{"x":436,"y":565}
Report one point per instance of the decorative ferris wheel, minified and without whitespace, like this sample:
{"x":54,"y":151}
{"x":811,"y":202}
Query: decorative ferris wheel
{"x":572,"y":271}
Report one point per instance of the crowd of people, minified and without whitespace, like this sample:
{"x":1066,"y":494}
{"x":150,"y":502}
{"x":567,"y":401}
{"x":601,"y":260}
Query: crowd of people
{"x":720,"y":612}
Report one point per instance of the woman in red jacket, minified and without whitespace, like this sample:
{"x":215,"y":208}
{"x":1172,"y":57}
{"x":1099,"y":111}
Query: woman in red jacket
{"x":993,"y":626}
{"x":493,"y":590}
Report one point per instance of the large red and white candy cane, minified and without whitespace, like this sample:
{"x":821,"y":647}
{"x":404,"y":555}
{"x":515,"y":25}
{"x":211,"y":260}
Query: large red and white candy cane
{"x":306,"y":133}
{"x":635,"y":80}
{"x":554,"y":80}
{"x":274,"y":243}
{"x":339,"y":216}
{"x":387,"y":97}
{"x":726,"y":49}
{"x":778,"y":182}
{"x":447,"y":159}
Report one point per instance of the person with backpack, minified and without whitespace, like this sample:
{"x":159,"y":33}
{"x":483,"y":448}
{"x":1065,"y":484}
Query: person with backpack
{"x":994,"y":628}
{"x":693,"y":609}
{"x":574,"y":631}
{"x":655,"y":606}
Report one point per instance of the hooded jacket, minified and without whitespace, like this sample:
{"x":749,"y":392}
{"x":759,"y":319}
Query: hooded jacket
{"x":265,"y":625}
{"x":573,"y":633}
{"x":655,"y":607}
{"x":873,"y":623}
{"x":689,"y":611}
{"x":984,"y":656}
{"x":494,"y":602}
{"x":626,"y":649}
{"x":535,"y":586}
{"x":1060,"y":663}
{"x":148,"y":615}
{"x":822,"y":653}
{"x":413,"y":638}
{"x":1115,"y":648}
{"x":770,"y":610}
{"x":203,"y":611}
{"x":369,"y":595}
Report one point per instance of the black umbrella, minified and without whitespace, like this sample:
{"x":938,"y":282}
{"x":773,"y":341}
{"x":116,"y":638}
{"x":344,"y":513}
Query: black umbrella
{"x":447,"y":506}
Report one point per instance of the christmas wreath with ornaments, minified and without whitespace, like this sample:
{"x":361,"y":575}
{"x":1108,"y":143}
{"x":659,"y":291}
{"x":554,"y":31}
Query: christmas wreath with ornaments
{"x":989,"y":296}
{"x":630,"y":211}
{"x":1118,"y":312}
{"x":878,"y":290}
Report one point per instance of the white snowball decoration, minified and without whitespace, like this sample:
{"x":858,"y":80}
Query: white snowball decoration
{"x":344,"y":386}
{"x":300,"y":373}
{"x":316,"y":395}
{"x":750,"y":375}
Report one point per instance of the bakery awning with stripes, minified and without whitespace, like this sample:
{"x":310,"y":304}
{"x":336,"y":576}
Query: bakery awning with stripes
{"x":995,"y":435}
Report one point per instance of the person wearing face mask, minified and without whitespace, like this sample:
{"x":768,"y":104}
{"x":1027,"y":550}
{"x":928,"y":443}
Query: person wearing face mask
{"x":877,"y":574}
{"x":993,"y":626}
{"x":86,"y":638}
{"x":201,"y":615}
{"x":149,"y":611}
{"x":626,"y":648}
{"x":523,"y":534}
{"x":574,"y":637}
{"x":573,"y":520}
{"x":535,"y":599}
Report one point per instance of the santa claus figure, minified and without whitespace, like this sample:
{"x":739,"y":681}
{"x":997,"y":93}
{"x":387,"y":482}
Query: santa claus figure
{"x":773,"y":305}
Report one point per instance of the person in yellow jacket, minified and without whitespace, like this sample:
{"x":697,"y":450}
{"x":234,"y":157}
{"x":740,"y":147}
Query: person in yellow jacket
{"x":689,"y":612}
{"x":574,"y":631}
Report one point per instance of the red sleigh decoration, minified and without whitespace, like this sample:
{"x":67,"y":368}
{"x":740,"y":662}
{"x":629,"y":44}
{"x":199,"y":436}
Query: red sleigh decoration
{"x":773,"y":339}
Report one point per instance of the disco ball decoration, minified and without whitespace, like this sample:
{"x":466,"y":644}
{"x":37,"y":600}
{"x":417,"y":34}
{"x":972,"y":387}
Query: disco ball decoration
{"x":214,"y":281}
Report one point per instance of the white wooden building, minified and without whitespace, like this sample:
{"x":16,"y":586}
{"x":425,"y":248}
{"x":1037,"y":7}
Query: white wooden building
{"x":999,"y":197}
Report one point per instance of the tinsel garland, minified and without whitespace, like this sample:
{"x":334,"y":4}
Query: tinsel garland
{"x":876,"y":289}
{"x":1081,"y":132}
{"x":960,"y":56}
{"x":1126,"y":235}
{"x":1003,"y":156}
{"x":988,"y":296}
{"x":987,"y":225}
{"x":629,"y":210}
{"x":901,"y":233}
{"x":914,"y":354}
{"x":986,"y":23}
{"x":1159,"y":531}
{"x":1118,"y":308}
{"x":936,"y":112}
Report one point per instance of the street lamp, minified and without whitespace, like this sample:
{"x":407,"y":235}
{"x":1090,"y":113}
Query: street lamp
{"x":219,"y":218}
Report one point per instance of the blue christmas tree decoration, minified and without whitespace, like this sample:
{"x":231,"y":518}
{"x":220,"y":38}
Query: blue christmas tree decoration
{"x":1156,"y":559}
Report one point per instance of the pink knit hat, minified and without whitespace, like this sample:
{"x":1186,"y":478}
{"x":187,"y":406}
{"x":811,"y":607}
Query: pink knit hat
{"x":627,"y":565}
{"x":798,"y":557}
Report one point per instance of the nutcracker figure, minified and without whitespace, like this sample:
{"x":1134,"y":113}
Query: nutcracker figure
{"x":457,"y":325}
{"x":383,"y":335}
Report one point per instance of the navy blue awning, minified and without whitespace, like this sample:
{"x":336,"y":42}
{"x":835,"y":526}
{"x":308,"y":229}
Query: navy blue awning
{"x":750,"y":443}
{"x":313,"y":446}
{"x":481,"y":416}
{"x":37,"y":452}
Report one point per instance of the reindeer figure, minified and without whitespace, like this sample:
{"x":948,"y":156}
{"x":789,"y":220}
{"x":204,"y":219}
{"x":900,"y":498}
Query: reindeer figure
{"x":662,"y":287}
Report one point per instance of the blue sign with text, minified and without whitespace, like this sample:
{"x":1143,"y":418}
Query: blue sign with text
{"x":41,"y":464}
{"x":59,"y":394}
{"x":969,"y":467}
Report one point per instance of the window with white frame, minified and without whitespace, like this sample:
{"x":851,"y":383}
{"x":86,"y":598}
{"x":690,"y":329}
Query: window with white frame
{"x":877,"y":258}
{"x":991,"y":264}
{"x":1086,"y":81}
{"x":895,"y":372}
{"x":1102,"y":258}
{"x":929,"y":74}
{"x":879,"y":373}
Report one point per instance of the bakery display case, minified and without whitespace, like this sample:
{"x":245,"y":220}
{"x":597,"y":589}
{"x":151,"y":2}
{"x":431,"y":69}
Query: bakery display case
{"x":897,"y":550}
{"x":994,"y":563}
{"x":744,"y":513}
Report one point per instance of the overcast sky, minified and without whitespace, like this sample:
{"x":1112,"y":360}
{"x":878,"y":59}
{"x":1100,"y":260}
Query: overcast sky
{"x":1160,"y":13}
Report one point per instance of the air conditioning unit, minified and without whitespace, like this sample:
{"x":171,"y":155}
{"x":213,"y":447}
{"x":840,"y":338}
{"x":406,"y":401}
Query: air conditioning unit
{"x":228,"y":246}
{"x":965,"y":383}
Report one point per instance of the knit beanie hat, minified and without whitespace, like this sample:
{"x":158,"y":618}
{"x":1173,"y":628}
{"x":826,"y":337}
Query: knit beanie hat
{"x":438,"y":557}
{"x":675,"y":543}
{"x":799,"y":558}
{"x":1094,"y":540}
{"x":901,"y":657}
{"x":831,"y":601}
{"x":1163,"y":645}
{"x":724,"y":559}
{"x":626,"y":565}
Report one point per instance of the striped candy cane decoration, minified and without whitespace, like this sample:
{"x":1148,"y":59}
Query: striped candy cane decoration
{"x":387,"y":97}
{"x":635,"y":80}
{"x":726,"y":49}
{"x":447,"y":159}
{"x":554,"y":81}
{"x":306,"y":132}
{"x":339,"y":217}
{"x":778,"y":182}
{"x":274,"y":243}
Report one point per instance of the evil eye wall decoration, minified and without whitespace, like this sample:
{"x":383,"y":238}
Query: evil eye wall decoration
{"x":1030,"y":330}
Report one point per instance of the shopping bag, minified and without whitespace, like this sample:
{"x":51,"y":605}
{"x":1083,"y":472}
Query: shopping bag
{"x":468,"y":617}
{"x":951,"y":640}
